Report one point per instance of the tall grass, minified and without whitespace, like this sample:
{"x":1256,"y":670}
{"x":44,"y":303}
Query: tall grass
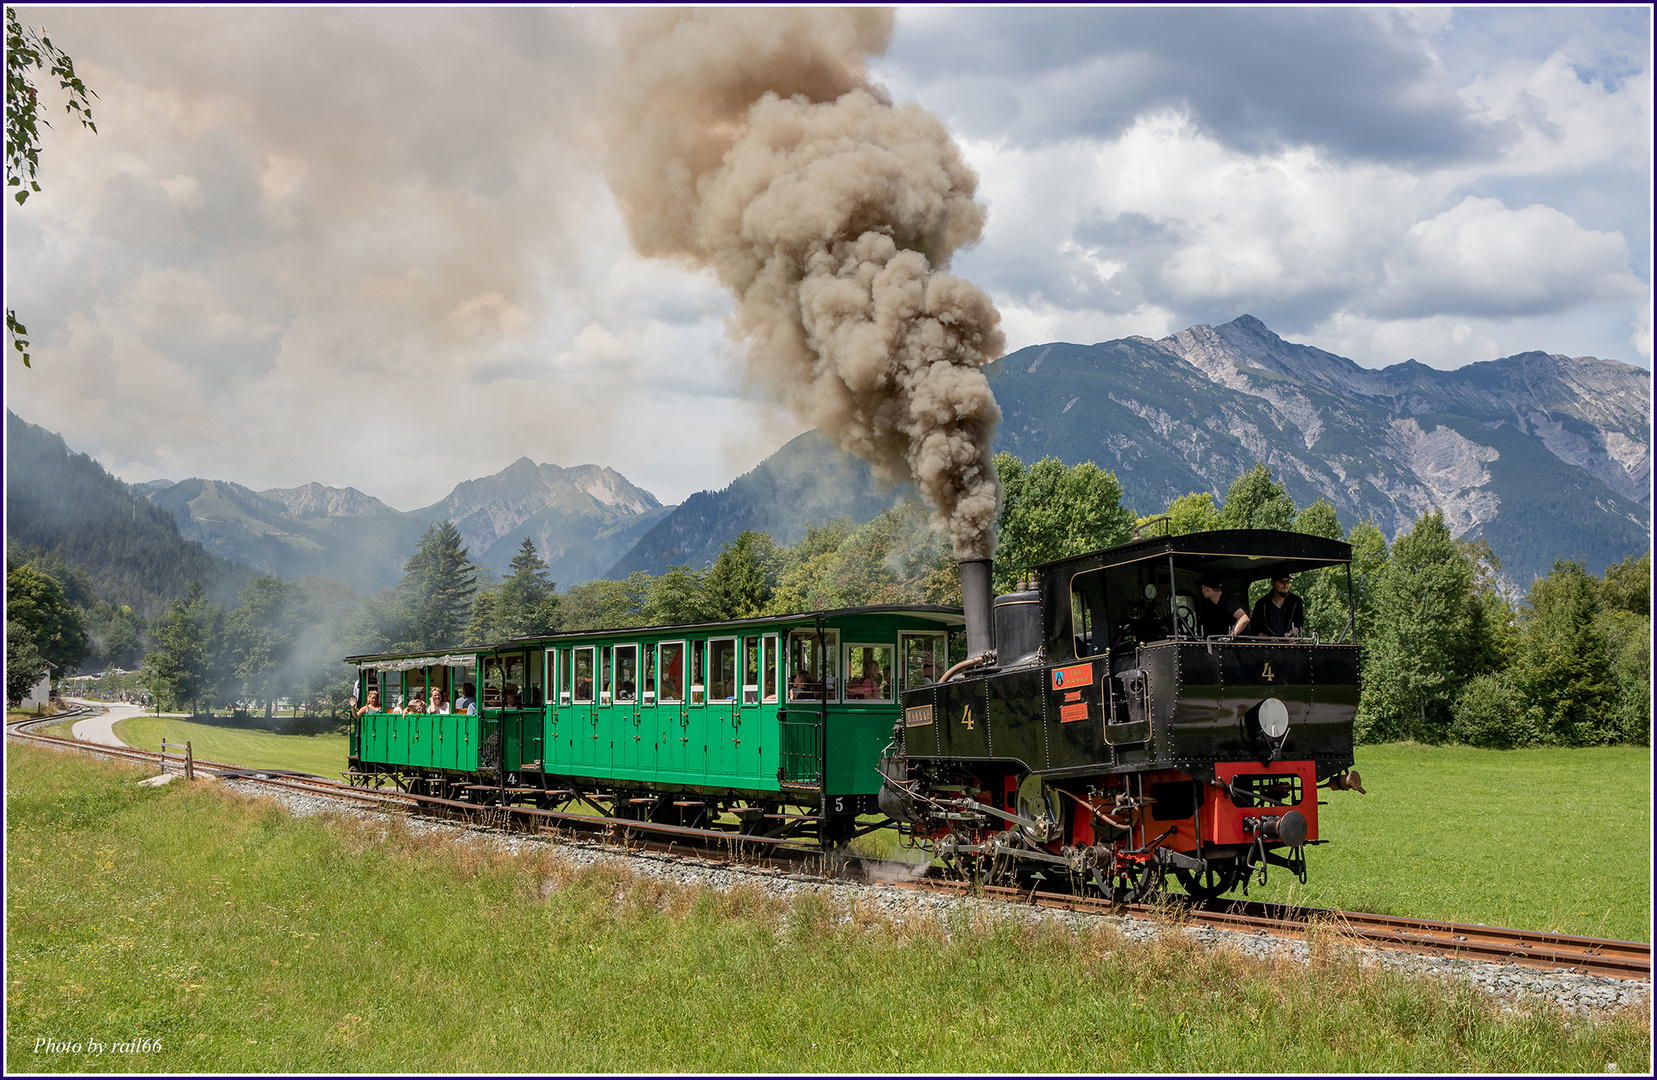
{"x":244,"y":940}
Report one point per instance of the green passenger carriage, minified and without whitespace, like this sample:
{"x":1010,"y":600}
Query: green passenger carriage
{"x":773,"y":725}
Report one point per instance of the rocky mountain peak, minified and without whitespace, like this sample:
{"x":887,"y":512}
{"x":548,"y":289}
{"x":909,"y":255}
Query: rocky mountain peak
{"x":311,"y":501}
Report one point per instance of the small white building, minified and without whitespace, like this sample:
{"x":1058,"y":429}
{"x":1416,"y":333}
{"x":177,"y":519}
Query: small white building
{"x":41,"y":692}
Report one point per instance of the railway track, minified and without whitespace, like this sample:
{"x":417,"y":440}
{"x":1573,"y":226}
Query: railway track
{"x":1534,"y":949}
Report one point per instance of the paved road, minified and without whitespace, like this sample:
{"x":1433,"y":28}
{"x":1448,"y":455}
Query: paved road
{"x":100,"y":729}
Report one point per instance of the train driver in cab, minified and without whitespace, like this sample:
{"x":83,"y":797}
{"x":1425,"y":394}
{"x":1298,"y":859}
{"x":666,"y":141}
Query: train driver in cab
{"x":1220,"y":612}
{"x":1280,"y":613}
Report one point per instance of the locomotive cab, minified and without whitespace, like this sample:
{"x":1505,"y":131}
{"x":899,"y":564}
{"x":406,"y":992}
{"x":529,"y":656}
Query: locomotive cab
{"x":1105,"y":732}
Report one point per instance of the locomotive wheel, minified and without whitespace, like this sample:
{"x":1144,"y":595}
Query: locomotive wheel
{"x":1218,"y":878}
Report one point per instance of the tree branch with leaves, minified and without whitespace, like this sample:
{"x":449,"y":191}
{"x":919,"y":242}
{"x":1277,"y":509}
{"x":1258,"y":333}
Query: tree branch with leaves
{"x":26,"y":49}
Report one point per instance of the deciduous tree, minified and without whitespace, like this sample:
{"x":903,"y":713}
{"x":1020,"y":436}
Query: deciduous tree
{"x":35,"y":601}
{"x":25,"y":667}
{"x":1410,"y":672}
{"x":1049,"y":511}
{"x":1563,"y":666}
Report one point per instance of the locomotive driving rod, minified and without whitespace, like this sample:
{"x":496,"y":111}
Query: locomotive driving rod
{"x":985,"y":808}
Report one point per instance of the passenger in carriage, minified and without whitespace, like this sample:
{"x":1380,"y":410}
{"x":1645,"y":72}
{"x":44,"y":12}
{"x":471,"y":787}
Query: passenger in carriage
{"x":467,"y":702}
{"x":373,"y":703}
{"x":416,"y":705}
{"x":438,"y":705}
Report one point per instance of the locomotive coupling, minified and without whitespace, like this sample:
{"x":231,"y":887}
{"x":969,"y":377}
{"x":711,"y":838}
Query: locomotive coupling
{"x":1290,"y":828}
{"x":1347,"y":781}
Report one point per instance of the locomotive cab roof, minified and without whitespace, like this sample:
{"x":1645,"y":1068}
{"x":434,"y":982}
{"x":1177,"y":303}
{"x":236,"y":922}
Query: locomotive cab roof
{"x":1230,"y":554}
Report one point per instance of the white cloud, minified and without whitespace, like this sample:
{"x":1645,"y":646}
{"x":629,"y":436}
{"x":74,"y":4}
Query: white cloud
{"x":1481,"y":258}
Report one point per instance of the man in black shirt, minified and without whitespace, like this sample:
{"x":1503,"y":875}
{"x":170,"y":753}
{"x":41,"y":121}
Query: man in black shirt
{"x":1280,"y":612}
{"x":1220,"y":612}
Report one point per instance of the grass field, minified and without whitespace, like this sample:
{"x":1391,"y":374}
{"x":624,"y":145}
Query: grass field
{"x":237,"y":939}
{"x":241,"y":743}
{"x":1537,"y":839}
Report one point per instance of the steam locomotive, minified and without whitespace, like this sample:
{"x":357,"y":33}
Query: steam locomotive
{"x":1100,"y":733}
{"x":1083,"y":728}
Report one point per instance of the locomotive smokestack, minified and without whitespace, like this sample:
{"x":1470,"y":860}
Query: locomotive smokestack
{"x":975,"y":602}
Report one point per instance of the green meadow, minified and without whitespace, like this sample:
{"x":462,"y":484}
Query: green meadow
{"x":1544,"y":839}
{"x":199,"y":930}
{"x":242,"y":742}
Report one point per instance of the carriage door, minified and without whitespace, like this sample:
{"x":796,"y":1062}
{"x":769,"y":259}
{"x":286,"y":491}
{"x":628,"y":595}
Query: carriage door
{"x":749,"y":714}
{"x":811,"y":686}
{"x":626,"y":720}
{"x":583,"y":733}
{"x":724,"y":706}
{"x":561,"y":725}
{"x":672,"y":712}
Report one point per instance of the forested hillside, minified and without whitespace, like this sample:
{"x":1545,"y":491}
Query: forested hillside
{"x":130,"y":549}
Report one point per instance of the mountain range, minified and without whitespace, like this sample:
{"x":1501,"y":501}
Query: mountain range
{"x":581,"y":520}
{"x":1543,"y":455}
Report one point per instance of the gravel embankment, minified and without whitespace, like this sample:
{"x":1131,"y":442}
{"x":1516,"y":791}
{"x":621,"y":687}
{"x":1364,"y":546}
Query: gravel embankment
{"x":1580,"y":994}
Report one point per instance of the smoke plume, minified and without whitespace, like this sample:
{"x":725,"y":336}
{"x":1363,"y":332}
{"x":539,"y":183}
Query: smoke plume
{"x":753,"y":142}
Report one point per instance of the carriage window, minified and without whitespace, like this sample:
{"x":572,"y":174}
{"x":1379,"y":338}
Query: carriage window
{"x":671,"y":671}
{"x":722,"y":669}
{"x":584,"y":675}
{"x":416,"y":684}
{"x":564,"y":667}
{"x":536,"y":672}
{"x":923,"y":659}
{"x":750,"y":671}
{"x":459,"y":676}
{"x":512,"y":692}
{"x":698,"y":672}
{"x":551,"y":673}
{"x":627,"y":673}
{"x":811,"y":663}
{"x":868,"y":673}
{"x":606,"y":671}
{"x":494,"y":680}
{"x":648,"y":682}
{"x":769,"y":666}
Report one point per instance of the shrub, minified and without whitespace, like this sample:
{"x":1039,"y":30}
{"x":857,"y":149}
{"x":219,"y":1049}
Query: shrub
{"x":1490,"y":712}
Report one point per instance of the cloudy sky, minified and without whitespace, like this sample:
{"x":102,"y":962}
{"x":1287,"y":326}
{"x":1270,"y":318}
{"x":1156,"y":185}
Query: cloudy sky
{"x":375,"y":247}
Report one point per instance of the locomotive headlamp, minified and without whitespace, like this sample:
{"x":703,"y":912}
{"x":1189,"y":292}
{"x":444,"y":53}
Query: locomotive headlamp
{"x":1270,"y":718}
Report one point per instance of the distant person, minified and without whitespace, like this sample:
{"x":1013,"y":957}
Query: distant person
{"x":467,"y":702}
{"x":438,"y":705}
{"x":1220,"y":612}
{"x":1280,"y":613}
{"x":373,"y":704}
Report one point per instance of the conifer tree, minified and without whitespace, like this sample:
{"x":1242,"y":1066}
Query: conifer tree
{"x":437,"y":588}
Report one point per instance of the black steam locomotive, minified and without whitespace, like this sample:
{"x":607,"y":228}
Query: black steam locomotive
{"x":1101,"y":735}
